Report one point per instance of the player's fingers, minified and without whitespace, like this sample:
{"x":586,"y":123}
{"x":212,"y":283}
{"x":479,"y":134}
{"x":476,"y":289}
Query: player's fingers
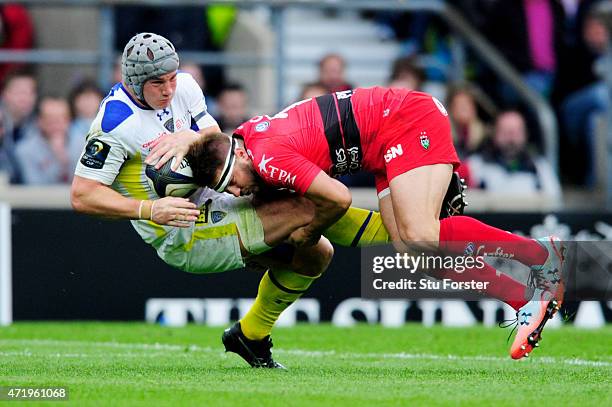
{"x":178,"y":224}
{"x":183,"y":203}
{"x":179,"y":158}
{"x":164,"y":158}
{"x":157,"y":152}
{"x":153,"y":154}
{"x":187,"y":214}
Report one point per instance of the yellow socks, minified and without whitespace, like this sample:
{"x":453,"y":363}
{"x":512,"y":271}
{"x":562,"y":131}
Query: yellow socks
{"x":358,"y":227}
{"x":280,"y":288}
{"x":277,"y":290}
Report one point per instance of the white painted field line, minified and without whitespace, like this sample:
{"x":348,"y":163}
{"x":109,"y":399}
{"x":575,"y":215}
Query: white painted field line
{"x":29,"y":353}
{"x":110,"y":344}
{"x":429,"y":356}
{"x":297,"y":352}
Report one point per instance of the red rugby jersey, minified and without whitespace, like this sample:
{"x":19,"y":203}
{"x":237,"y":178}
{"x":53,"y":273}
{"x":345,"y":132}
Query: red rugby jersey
{"x":290,"y":148}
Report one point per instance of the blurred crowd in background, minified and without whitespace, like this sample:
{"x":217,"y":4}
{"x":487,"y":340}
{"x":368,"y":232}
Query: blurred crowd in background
{"x":554,"y":44}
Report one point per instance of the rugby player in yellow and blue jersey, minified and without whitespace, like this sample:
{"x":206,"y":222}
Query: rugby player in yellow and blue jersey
{"x":158,"y":106}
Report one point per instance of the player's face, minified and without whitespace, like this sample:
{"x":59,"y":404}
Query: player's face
{"x":244,"y":179}
{"x":158,"y":92}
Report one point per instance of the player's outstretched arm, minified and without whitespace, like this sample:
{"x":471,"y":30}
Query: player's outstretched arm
{"x":94,"y":198}
{"x":332,"y":199}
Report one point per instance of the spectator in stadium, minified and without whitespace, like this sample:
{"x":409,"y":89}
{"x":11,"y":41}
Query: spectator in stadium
{"x":210,"y":232}
{"x":84,"y":100}
{"x":406,"y":74}
{"x":469,"y":132}
{"x":404,"y":138}
{"x":47,"y":156}
{"x":507,"y":166}
{"x":580,"y":109}
{"x":19,"y":97}
{"x":116,"y":72}
{"x":529,"y":33}
{"x":232,"y":107}
{"x":312,"y":90}
{"x":332,"y":73}
{"x":8,"y":162}
{"x":16,"y":33}
{"x":195,"y":71}
{"x":577,"y":57}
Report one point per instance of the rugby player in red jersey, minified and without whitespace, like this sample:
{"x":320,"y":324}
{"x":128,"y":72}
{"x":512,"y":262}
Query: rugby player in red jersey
{"x":404,"y":138}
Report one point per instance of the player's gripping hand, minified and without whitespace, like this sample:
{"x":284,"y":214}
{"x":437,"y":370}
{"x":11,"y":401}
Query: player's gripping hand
{"x":172,"y":145}
{"x":172,"y":211}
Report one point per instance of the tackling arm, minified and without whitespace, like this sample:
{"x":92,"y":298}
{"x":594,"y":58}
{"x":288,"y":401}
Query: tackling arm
{"x":332,"y":199}
{"x":177,"y":145}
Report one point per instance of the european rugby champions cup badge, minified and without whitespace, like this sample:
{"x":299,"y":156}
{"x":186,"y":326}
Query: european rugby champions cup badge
{"x":424,"y":140}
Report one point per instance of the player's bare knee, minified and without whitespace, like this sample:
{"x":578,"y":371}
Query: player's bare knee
{"x":423,"y":236}
{"x":325,"y":252}
{"x":313,"y":261}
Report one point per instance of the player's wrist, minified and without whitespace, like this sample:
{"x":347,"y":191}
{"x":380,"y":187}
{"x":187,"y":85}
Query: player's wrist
{"x":145,"y":209}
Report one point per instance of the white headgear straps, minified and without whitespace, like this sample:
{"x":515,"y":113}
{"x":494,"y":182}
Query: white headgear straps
{"x":228,"y":167}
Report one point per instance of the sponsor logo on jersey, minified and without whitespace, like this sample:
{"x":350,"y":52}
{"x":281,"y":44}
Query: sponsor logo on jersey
{"x":152,"y":143}
{"x":263,"y":163}
{"x":393,"y":152}
{"x":440,"y":106}
{"x":204,"y":212}
{"x":424,"y":138}
{"x":275,"y":173}
{"x":386,"y":112}
{"x":345,"y":94}
{"x":95,"y":154}
{"x":341,"y":163}
{"x":263,"y":126}
{"x":161,"y":114}
{"x":217,"y":216}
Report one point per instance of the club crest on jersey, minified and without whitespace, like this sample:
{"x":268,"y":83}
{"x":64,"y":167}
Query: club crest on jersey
{"x":169,"y":125}
{"x":263,"y":126}
{"x":424,"y":140}
{"x":217,"y":216}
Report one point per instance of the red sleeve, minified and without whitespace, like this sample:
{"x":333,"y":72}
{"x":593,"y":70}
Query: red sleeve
{"x":283,"y":167}
{"x":18,"y":27}
{"x":381,"y":183}
{"x":18,"y":33}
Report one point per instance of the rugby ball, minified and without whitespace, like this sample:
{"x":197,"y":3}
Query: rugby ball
{"x":166,"y":182}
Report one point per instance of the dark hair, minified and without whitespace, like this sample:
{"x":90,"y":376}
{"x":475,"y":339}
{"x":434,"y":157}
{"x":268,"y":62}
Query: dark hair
{"x":331,"y":56}
{"x":85,"y":86}
{"x":311,"y":85}
{"x":206,"y":156}
{"x":19,"y":73}
{"x":407,"y":65}
{"x":458,"y":88}
{"x":233,"y":86}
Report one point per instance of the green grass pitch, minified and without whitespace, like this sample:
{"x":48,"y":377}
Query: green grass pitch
{"x":116,"y":364}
